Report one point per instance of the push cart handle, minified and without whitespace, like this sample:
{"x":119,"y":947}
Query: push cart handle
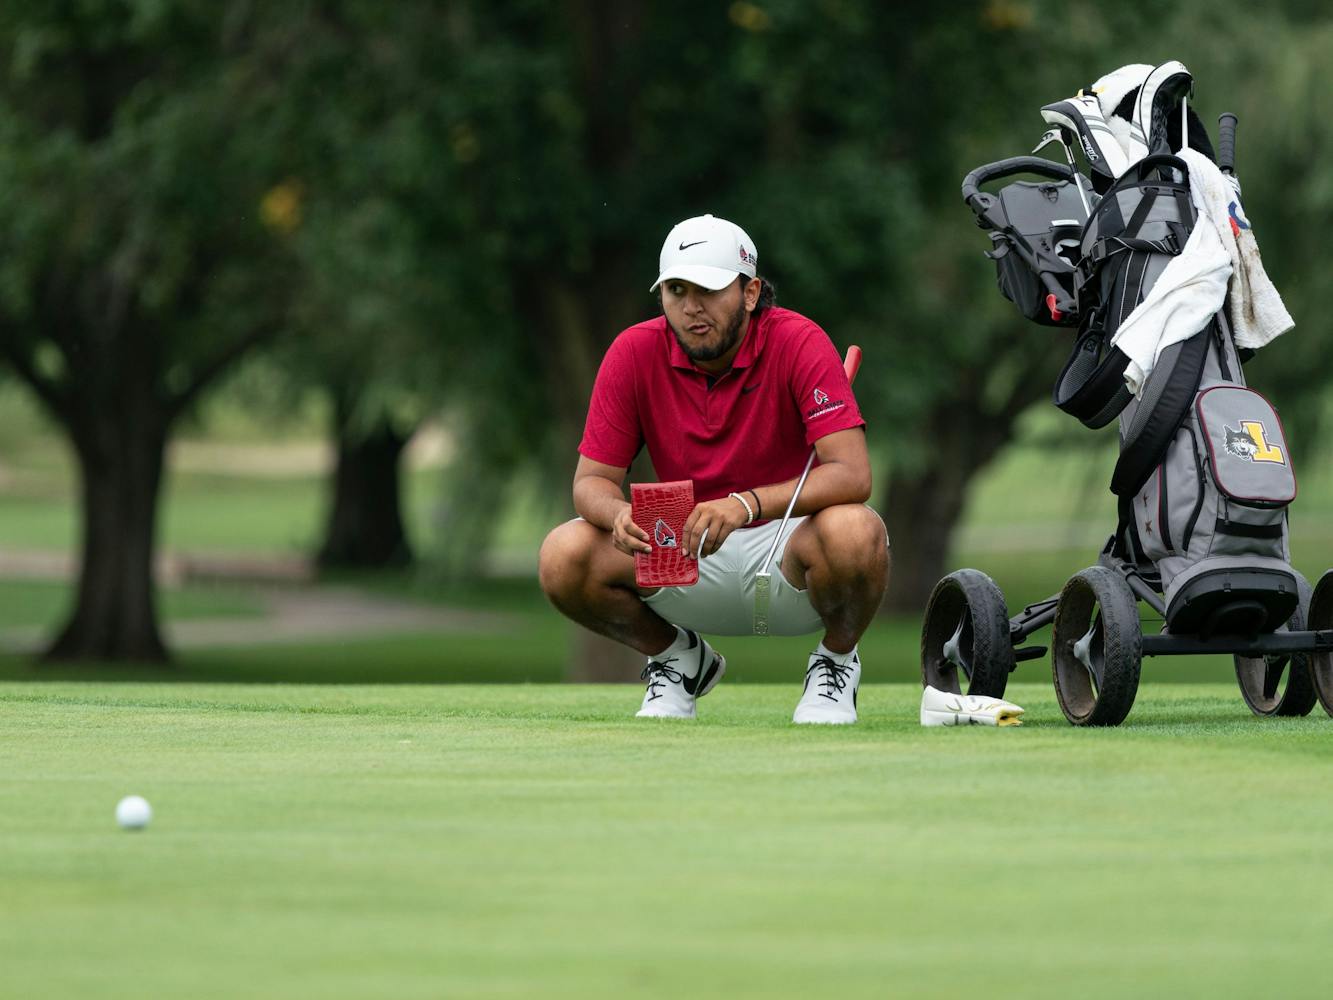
{"x":1014,"y":165}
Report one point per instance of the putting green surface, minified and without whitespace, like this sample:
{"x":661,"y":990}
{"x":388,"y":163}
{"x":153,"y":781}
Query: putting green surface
{"x":432,"y":841}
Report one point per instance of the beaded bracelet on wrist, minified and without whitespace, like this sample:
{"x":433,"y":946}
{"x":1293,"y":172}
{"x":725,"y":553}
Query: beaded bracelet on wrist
{"x":749,"y":511}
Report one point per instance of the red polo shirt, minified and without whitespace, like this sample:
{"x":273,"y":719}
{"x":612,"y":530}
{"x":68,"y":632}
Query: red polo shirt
{"x":753,"y":426}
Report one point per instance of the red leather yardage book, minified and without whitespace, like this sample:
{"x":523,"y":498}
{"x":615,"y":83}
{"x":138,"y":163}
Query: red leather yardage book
{"x":660,"y":509}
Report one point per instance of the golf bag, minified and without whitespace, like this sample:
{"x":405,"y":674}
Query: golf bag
{"x":1204,"y":475}
{"x":1210,"y":514}
{"x":1142,"y":256}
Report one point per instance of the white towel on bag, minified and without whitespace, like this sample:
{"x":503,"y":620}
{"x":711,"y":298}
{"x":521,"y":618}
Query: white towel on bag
{"x":1255,"y":308}
{"x":1193,"y":286}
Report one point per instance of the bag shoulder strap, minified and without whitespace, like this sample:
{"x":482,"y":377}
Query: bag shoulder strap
{"x":1166,"y":400}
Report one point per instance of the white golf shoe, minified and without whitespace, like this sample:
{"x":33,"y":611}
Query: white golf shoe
{"x":678,"y":676}
{"x":830,"y":689}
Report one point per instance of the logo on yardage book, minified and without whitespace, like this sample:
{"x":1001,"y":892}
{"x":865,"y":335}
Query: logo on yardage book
{"x":666,"y":538}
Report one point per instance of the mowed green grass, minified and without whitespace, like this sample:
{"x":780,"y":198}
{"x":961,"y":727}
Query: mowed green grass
{"x":423,"y":841}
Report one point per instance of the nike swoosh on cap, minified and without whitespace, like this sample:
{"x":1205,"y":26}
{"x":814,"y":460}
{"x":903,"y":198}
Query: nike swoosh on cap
{"x":686,"y":246}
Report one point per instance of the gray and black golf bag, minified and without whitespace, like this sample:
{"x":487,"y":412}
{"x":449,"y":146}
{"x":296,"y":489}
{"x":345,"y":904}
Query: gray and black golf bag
{"x":1204,"y":474}
{"x":1203,"y":479}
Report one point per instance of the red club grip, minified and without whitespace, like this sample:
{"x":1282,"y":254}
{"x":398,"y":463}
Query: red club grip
{"x":852,"y":362}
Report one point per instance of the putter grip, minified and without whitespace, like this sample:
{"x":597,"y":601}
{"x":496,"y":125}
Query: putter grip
{"x":1226,"y":142}
{"x":852,"y":362}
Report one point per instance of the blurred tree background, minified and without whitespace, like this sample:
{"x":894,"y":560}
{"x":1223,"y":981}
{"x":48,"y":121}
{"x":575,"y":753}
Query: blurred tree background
{"x":439,"y":214}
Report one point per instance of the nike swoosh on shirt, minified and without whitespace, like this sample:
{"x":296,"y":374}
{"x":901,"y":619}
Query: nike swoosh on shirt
{"x":750,"y":388}
{"x":686,"y":246}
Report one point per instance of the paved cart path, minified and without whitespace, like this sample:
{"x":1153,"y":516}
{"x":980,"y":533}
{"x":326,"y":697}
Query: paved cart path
{"x":292,"y":613}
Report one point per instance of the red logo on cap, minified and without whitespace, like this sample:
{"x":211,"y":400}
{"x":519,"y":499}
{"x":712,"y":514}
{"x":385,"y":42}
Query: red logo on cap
{"x":747,"y":257}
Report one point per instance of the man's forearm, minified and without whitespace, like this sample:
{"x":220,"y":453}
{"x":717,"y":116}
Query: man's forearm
{"x":598,"y":500}
{"x":826,"y":486}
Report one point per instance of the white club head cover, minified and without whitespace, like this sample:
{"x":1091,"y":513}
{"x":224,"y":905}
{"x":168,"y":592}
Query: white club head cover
{"x":1083,"y":116}
{"x":1112,"y":88}
{"x":942,"y":708}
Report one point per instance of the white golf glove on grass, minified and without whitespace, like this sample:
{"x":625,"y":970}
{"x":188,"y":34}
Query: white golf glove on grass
{"x":942,"y":708}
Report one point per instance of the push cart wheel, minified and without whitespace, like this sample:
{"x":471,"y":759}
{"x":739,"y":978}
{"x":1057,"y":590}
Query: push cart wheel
{"x":966,"y":632}
{"x":1320,"y":618}
{"x":1280,"y":683}
{"x":1096,"y":648}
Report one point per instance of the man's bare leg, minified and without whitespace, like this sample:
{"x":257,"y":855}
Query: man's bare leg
{"x":840,"y":557}
{"x":592,"y":582}
{"x":840,"y":554}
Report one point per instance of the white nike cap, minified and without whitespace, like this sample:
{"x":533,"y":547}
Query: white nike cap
{"x":708,"y":252}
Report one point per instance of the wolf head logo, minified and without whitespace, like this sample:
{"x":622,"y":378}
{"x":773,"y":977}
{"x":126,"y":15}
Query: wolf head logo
{"x":663,"y":535}
{"x":1241,"y":444}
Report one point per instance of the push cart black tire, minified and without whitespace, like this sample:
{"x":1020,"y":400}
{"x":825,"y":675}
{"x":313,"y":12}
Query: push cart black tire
{"x":1320,"y":618}
{"x":1097,"y":600}
{"x":967,"y":603}
{"x":1261,"y":677}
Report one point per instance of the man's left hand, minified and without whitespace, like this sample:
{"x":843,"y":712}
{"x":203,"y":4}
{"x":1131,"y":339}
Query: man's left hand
{"x":711,"y":522}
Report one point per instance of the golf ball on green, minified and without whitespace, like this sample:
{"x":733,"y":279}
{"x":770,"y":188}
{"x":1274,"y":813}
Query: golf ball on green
{"x":133,"y":812}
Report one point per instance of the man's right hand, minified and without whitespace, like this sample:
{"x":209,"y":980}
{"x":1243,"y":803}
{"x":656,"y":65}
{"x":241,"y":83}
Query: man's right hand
{"x":627,"y":536}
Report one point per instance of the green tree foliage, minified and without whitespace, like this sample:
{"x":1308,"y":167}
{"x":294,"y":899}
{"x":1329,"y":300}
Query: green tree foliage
{"x":145,"y":224}
{"x":374,"y":254}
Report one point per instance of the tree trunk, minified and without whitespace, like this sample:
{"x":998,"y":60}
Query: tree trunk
{"x":576,"y":335}
{"x":115,"y":615}
{"x":925,"y":503}
{"x":365,"y":525}
{"x":595,"y":659}
{"x":921,"y":514}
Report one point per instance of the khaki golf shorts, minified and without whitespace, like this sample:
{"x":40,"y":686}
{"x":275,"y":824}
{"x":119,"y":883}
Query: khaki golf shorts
{"x":722,"y":602}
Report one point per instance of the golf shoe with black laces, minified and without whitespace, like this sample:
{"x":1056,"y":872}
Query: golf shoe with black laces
{"x":680,"y":675}
{"x":831,"y":681}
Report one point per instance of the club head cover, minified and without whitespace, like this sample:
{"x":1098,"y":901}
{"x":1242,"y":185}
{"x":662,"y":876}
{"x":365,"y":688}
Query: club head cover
{"x":1158,"y":97}
{"x":1082,"y":116}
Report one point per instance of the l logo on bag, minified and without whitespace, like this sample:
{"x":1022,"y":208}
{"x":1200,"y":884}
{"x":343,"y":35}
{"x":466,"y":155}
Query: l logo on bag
{"x":665,"y":537}
{"x":1250,"y":442}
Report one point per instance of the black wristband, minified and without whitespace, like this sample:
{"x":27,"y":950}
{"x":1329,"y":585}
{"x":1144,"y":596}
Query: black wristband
{"x":758,"y":507}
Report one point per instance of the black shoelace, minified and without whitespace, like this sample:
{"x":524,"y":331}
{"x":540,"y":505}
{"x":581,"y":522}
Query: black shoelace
{"x":657,"y":673}
{"x":832,"y":677}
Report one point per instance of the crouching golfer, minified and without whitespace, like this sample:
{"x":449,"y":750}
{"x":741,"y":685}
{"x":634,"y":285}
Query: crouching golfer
{"x":729,"y":391}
